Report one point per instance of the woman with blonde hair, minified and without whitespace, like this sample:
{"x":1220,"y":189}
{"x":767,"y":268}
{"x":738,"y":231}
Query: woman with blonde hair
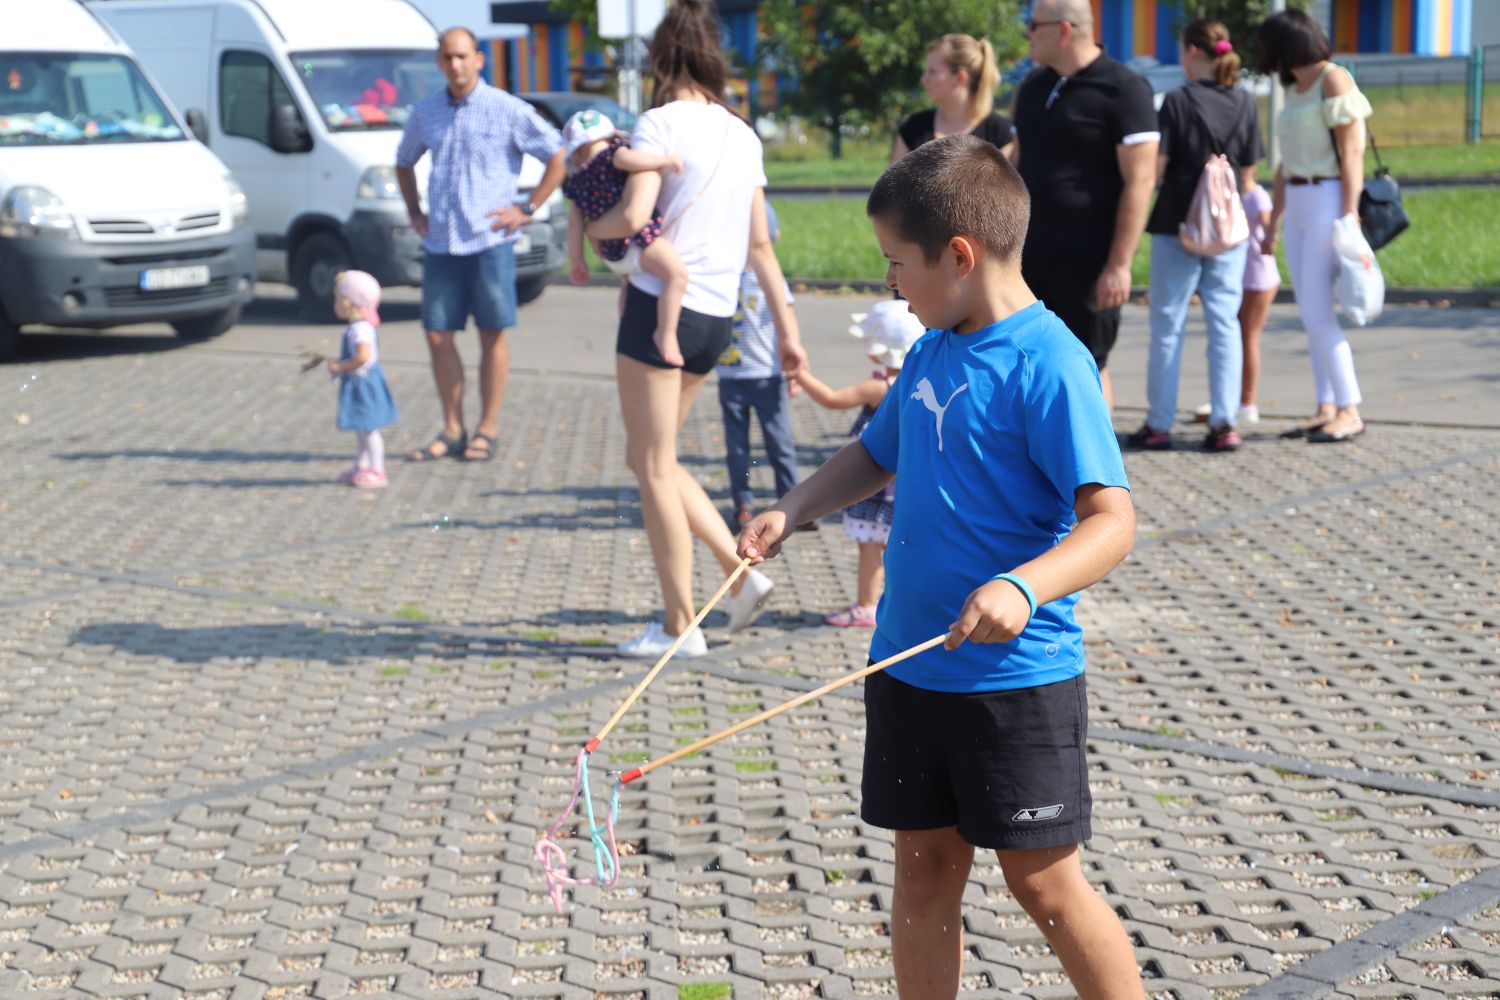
{"x":714,"y":212}
{"x":960,"y":77}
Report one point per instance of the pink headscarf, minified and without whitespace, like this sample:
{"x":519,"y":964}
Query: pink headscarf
{"x":364,"y":291}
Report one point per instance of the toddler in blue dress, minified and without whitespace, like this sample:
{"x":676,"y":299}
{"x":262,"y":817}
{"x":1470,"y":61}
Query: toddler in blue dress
{"x":365,"y":402}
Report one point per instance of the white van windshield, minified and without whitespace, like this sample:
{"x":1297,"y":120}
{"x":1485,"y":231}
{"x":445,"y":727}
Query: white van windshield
{"x":57,"y":98}
{"x":368,"y":89}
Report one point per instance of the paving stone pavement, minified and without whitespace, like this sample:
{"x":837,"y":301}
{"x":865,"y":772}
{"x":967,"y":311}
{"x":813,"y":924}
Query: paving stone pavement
{"x":262,"y":736}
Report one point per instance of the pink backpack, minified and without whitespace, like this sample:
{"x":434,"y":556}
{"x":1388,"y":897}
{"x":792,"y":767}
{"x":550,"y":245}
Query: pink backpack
{"x":1216,"y":217}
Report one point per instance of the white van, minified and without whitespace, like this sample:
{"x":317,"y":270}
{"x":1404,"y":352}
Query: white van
{"x":110,"y":211}
{"x":305,"y":101}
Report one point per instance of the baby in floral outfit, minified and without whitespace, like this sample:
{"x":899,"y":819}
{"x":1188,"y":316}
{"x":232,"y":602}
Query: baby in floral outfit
{"x":600,"y":161}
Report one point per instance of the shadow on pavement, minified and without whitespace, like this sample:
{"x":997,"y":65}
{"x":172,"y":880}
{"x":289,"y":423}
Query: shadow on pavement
{"x":295,"y":642}
{"x":196,"y":455}
{"x":60,"y":345}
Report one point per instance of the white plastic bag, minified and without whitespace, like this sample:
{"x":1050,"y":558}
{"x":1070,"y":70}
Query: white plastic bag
{"x":1359,"y":287}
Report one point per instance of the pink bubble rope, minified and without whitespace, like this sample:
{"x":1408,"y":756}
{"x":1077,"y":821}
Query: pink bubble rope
{"x":554,"y":860}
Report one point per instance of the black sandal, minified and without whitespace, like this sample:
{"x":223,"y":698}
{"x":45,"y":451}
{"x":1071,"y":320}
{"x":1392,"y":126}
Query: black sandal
{"x":489,"y":447}
{"x":454,"y":447}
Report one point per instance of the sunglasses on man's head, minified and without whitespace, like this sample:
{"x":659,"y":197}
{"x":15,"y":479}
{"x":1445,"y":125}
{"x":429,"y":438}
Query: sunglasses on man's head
{"x":1033,"y":24}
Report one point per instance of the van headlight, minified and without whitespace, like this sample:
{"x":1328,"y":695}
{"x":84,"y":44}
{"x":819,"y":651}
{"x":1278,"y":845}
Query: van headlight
{"x":36,"y":212}
{"x":379,"y":184}
{"x":239,"y":205}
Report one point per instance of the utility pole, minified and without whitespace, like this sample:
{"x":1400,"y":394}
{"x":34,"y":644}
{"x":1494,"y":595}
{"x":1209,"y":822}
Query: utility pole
{"x":1273,"y":106}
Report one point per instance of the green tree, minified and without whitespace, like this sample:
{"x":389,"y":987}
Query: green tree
{"x":859,"y":63}
{"x":1241,"y":17}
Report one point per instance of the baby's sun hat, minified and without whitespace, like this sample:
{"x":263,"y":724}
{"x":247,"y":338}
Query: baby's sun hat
{"x":888,"y":331}
{"x":584,"y":127}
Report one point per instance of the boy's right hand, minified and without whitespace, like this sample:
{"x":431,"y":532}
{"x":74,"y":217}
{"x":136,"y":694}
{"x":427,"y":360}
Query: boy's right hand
{"x":579,"y":273}
{"x":674,"y":165}
{"x":761,"y":538}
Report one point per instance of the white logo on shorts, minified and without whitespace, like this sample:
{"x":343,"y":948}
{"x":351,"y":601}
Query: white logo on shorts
{"x":1037,"y":814}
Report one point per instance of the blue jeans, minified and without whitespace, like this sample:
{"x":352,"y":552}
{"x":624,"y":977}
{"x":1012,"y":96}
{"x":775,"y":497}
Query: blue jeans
{"x":1219,"y":282}
{"x":768,"y":399}
{"x":457,"y":286}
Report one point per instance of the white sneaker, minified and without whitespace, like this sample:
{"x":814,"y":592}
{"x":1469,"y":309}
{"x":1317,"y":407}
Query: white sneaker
{"x":655,"y":641}
{"x":1249,"y":414}
{"x":746,"y":606}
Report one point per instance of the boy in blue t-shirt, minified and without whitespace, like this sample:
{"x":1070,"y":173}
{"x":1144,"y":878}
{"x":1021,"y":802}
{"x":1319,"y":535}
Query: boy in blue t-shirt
{"x":1013,"y":499}
{"x":750,"y":379}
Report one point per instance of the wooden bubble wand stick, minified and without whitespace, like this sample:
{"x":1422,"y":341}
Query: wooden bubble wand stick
{"x":770,"y":713}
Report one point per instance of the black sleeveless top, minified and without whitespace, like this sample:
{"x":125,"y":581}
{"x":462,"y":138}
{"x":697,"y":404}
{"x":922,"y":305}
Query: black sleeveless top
{"x":918,"y":128}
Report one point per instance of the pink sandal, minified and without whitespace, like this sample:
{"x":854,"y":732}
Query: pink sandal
{"x":347,"y":476}
{"x":369,"y":479}
{"x":854,"y":616}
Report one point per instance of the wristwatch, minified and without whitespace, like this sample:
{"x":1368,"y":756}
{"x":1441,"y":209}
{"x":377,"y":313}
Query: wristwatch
{"x":529,"y":208}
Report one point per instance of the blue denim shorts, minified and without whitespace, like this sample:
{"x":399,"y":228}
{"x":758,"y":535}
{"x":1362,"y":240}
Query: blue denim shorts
{"x":457,"y":286}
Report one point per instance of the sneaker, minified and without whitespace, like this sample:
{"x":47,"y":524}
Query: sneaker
{"x":854,"y":616}
{"x":1249,"y":414}
{"x":1201,"y":414}
{"x":742,"y":517}
{"x":746,"y":606}
{"x":1223,"y":438}
{"x":1149,"y":439}
{"x":369,"y":479}
{"x":655,"y":641}
{"x":347,"y":476}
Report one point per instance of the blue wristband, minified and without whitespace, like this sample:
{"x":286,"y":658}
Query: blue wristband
{"x":1023,"y":587}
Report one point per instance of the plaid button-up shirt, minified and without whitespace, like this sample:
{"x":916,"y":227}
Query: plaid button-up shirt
{"x":476,"y":145}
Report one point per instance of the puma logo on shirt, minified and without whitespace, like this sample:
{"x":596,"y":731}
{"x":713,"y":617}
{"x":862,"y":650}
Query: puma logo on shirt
{"x":929,"y":399}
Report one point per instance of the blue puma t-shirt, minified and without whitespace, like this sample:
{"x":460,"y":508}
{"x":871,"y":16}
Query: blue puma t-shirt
{"x":990,"y":435}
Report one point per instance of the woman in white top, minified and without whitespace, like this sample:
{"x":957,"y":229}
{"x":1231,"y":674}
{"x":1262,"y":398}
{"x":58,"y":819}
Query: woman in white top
{"x":713,"y":212}
{"x":1317,"y":182}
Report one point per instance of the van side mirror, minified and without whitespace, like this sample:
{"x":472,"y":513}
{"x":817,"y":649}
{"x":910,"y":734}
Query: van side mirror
{"x":197,"y":125}
{"x":288,"y":131}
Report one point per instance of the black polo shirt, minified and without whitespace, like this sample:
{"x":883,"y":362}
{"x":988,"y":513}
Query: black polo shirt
{"x":1069,"y":129}
{"x":1197,"y":121}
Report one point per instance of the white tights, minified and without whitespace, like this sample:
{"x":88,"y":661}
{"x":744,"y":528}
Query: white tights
{"x":371,"y":454}
{"x":1311,"y":210}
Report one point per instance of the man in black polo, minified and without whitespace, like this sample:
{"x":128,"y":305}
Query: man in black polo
{"x":1087,"y":141}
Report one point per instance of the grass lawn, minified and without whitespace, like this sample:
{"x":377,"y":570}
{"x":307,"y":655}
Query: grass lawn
{"x":1450,"y":243}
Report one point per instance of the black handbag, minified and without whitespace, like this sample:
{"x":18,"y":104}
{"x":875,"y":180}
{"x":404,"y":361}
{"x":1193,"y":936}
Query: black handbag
{"x":1381,"y":214}
{"x":1382,"y":217}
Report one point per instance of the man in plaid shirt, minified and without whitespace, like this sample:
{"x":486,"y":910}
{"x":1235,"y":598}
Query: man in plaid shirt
{"x":477,"y":135}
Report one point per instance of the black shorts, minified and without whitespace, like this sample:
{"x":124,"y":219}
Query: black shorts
{"x":1066,"y":286}
{"x":1006,"y":768}
{"x":701,"y":338}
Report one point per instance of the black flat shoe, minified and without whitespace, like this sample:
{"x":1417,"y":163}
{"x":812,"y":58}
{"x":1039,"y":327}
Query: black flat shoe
{"x":1300,"y":432}
{"x":1321,"y":436}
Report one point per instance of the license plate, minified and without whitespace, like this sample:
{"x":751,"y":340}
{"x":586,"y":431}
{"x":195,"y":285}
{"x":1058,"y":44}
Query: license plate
{"x":159,"y":279}
{"x":522,"y":243}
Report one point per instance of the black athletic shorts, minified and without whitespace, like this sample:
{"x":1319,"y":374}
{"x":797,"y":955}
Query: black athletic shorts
{"x":701,"y":338}
{"x":1005,"y":767}
{"x":1066,"y":286}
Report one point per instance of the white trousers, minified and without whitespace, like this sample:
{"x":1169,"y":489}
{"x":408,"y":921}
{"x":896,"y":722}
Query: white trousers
{"x":1311,"y":210}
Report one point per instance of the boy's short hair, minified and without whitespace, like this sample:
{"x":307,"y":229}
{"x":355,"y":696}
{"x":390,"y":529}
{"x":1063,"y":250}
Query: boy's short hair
{"x":957,"y":186}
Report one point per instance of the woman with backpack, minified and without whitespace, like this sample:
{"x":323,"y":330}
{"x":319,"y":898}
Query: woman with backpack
{"x":1200,"y":123}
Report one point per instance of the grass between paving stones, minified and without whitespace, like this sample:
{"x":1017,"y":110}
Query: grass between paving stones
{"x":705,"y":991}
{"x":1450,"y":243}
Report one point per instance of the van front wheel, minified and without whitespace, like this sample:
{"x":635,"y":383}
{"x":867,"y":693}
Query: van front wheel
{"x":10,"y":337}
{"x":317,"y":260}
{"x":203,"y":327}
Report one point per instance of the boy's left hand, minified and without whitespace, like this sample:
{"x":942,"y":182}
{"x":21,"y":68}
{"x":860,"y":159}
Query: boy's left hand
{"x":674,"y":165}
{"x":994,"y":612}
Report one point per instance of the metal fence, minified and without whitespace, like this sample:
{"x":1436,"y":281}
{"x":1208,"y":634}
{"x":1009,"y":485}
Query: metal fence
{"x":1431,"y":101}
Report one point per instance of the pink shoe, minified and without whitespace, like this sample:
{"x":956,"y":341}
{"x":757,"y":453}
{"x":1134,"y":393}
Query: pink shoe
{"x":347,"y":476}
{"x":369,"y":479}
{"x":854,"y":616}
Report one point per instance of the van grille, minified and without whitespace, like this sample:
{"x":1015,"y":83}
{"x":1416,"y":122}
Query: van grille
{"x":164,"y":224}
{"x":129,"y":295}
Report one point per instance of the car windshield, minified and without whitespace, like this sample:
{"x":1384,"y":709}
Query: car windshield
{"x":368,"y":89}
{"x":59,"y":98}
{"x":565,"y":106}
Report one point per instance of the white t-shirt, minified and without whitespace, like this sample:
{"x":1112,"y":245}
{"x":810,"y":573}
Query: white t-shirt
{"x":712,"y":235}
{"x":362,"y":332}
